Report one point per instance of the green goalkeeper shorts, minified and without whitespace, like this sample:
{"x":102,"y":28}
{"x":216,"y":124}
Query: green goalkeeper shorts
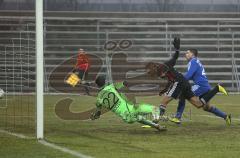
{"x":137,"y":112}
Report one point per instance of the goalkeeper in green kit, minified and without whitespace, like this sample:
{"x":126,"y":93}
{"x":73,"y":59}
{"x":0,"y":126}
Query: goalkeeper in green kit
{"x":110,"y":98}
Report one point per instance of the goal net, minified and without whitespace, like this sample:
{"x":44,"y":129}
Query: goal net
{"x":17,"y":79}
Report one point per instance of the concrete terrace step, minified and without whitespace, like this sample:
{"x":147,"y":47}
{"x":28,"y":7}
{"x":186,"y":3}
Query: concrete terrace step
{"x":124,"y":14}
{"x":151,"y":34}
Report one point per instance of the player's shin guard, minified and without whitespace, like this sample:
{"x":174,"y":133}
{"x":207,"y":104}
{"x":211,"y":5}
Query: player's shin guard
{"x":204,"y":99}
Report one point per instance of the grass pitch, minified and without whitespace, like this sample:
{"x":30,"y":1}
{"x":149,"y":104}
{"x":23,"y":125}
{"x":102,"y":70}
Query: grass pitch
{"x":200,"y":135}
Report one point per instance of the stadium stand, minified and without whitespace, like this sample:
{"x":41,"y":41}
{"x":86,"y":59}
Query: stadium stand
{"x":215,"y":35}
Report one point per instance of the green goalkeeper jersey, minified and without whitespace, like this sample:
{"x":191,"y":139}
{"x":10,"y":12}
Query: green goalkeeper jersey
{"x":110,"y":98}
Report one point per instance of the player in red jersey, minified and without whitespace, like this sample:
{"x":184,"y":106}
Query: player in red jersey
{"x":80,"y":71}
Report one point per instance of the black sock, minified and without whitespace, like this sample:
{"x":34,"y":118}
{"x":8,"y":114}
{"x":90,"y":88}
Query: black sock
{"x":162,"y":109}
{"x":86,"y":87}
{"x":209,"y":95}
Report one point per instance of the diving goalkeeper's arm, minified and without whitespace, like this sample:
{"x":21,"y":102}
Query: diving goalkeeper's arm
{"x":130,"y":98}
{"x":119,"y":85}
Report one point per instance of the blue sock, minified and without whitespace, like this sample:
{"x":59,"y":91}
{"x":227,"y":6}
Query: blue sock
{"x":218,"y":112}
{"x":180,"y":108}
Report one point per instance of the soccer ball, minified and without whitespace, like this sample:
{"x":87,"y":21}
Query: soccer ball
{"x":1,"y":93}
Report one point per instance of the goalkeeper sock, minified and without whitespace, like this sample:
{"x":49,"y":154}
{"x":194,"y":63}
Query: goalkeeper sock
{"x":204,"y":99}
{"x":162,"y":109}
{"x":218,"y":112}
{"x":149,"y":123}
{"x":152,"y":124}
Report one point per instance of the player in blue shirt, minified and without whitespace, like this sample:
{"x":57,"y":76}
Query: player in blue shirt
{"x":197,"y":74}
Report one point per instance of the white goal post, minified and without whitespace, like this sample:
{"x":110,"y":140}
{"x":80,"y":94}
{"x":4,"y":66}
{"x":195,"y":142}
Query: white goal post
{"x":39,"y":65}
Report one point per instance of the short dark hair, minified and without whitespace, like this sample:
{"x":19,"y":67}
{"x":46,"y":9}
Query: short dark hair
{"x":194,"y":51}
{"x":100,"y":80}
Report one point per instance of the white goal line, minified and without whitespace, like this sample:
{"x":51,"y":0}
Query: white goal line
{"x":51,"y":145}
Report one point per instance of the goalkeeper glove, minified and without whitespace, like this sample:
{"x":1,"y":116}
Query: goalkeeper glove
{"x":95,"y":115}
{"x":176,"y":43}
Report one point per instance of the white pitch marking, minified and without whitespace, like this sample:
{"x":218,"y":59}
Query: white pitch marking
{"x":63,"y":149}
{"x":51,"y":145}
{"x":15,"y":134}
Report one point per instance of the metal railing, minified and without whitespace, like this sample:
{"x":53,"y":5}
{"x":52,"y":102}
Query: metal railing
{"x":151,"y":38}
{"x":235,"y":75}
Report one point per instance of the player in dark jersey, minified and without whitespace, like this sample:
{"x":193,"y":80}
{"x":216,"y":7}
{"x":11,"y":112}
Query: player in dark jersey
{"x":178,"y":86}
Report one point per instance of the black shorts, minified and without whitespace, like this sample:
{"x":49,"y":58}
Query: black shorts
{"x":181,"y":90}
{"x":82,"y":74}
